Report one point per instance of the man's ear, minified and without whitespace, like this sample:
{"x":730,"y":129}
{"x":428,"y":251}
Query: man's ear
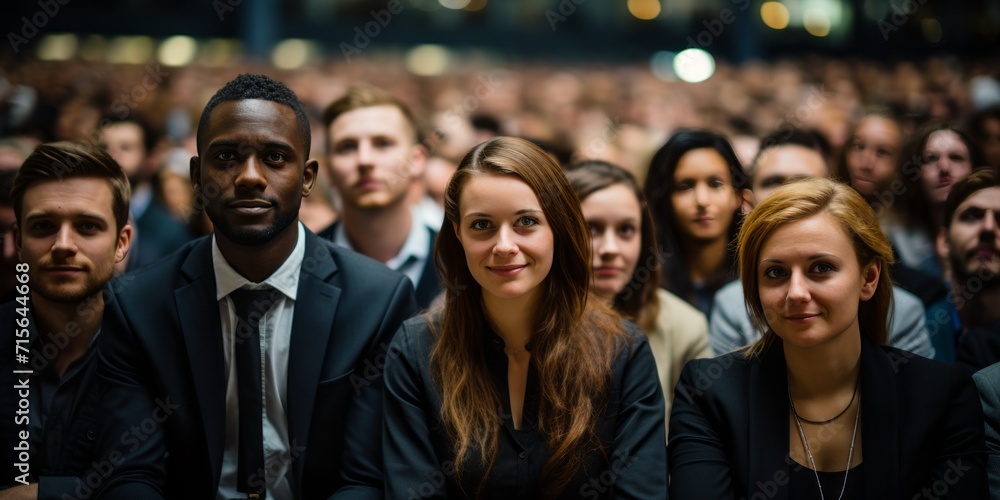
{"x":124,"y":243}
{"x":941,"y":244}
{"x":417,"y":160}
{"x":870,"y":279}
{"x":747,"y":205}
{"x":194,"y":168}
{"x":309,"y":175}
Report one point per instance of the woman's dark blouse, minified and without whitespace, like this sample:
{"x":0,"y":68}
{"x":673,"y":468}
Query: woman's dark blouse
{"x":802,"y":483}
{"x":418,"y":453}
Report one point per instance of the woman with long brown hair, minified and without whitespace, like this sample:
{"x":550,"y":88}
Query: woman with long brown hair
{"x":519,"y":386}
{"x":626,"y":267}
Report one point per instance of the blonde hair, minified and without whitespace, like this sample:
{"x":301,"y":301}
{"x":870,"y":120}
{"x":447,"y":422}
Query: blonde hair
{"x":799,"y":200}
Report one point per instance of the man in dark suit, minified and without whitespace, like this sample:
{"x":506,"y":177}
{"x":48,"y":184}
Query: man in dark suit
{"x":71,"y":204}
{"x":157,"y":232}
{"x":212,"y":393}
{"x":375,"y":161}
{"x":970,"y":241}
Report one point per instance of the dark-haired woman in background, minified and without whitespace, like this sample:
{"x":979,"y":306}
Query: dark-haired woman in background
{"x":938,"y":156}
{"x":520,"y":387}
{"x":695,"y":188}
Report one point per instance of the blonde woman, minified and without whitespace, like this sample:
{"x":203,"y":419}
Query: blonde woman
{"x":819,"y":407}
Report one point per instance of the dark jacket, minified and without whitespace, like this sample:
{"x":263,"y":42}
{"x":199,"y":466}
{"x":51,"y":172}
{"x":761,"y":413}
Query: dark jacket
{"x":418,"y":452}
{"x":922,"y":428}
{"x":163,"y":371}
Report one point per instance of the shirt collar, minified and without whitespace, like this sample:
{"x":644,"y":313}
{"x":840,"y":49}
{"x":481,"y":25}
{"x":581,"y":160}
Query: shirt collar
{"x":414,"y":248}
{"x":285,"y":279}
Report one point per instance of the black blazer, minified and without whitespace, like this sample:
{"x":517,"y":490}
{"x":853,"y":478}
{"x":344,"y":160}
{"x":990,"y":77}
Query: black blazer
{"x":979,"y":347}
{"x":921,"y":420}
{"x":419,"y":455}
{"x":429,"y":286}
{"x":157,"y":233}
{"x":164,"y":397}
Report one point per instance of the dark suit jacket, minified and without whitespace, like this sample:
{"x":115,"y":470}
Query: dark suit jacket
{"x":68,"y":463}
{"x":429,"y":286}
{"x":979,"y":347}
{"x":988,"y":382}
{"x":165,"y":383}
{"x":921,"y":420}
{"x":158,"y":233}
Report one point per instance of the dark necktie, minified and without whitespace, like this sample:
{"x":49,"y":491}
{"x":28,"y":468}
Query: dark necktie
{"x":250,"y":308}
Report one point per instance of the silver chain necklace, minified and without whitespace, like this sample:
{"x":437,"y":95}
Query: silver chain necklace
{"x":812,"y":463}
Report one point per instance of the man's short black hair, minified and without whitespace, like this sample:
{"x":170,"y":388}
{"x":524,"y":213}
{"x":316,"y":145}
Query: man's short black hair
{"x":248,"y":86}
{"x":791,"y":136}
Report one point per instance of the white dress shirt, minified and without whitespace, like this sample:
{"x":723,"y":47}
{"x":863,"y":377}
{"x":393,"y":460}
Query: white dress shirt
{"x":411,"y":259}
{"x":275,"y":340}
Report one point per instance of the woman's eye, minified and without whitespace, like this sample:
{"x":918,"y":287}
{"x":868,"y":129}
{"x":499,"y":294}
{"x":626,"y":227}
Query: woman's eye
{"x":774,"y":272}
{"x":823,"y":267}
{"x":480,"y":224}
{"x":527,"y":221}
{"x":627,"y":230}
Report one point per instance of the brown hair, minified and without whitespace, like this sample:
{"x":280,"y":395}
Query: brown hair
{"x":68,"y":160}
{"x":637,"y":301}
{"x":796,"y":201}
{"x":573,"y":342}
{"x":980,"y":178}
{"x":367,"y":96}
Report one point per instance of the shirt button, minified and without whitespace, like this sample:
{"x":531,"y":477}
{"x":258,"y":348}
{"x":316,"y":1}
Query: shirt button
{"x":522,"y":455}
{"x":91,"y":434}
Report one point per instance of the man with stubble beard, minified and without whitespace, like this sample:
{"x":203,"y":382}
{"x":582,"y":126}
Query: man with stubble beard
{"x":71,"y":205}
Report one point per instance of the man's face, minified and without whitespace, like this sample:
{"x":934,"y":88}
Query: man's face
{"x":253,"y":170}
{"x":124,"y":142}
{"x":373,"y":157}
{"x":972,"y":243}
{"x":991,"y":142}
{"x":68,"y":237}
{"x":872,"y":154}
{"x":780,"y":164}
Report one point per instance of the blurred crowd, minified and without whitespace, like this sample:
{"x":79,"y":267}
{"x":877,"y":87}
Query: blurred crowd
{"x":146,"y":115}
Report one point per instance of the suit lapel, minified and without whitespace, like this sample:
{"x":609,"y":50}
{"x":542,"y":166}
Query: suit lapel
{"x":312,"y":326}
{"x":768,"y":423}
{"x":202,"y":332}
{"x":879,"y":420}
{"x":429,"y":286}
